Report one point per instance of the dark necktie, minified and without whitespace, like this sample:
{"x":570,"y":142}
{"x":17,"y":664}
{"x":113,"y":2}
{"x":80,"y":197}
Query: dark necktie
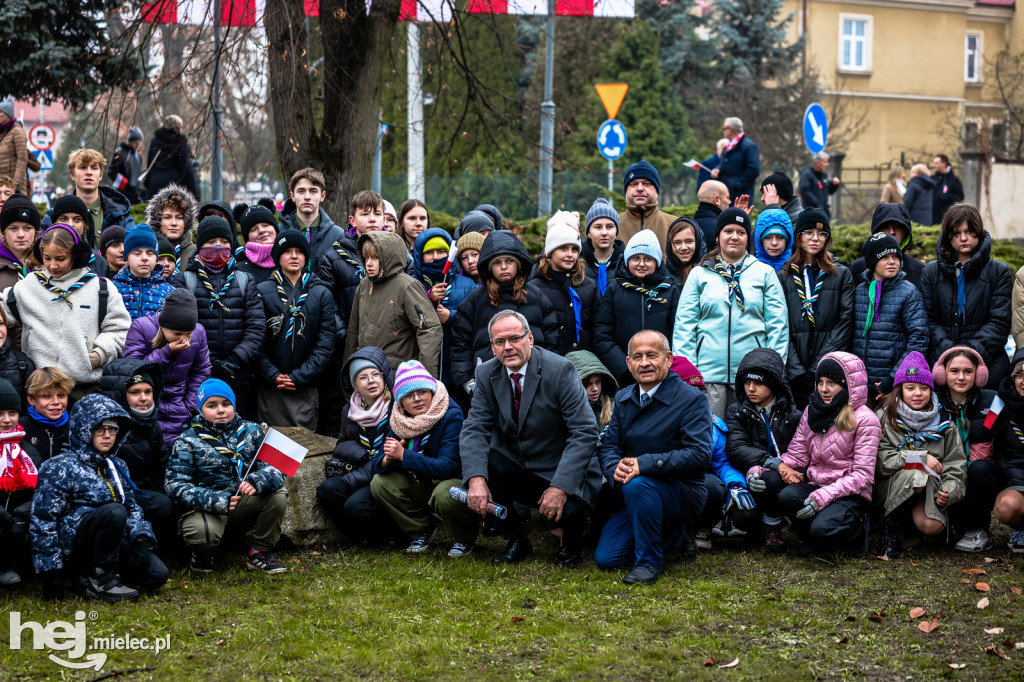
{"x":644,"y":399}
{"x":517,"y":393}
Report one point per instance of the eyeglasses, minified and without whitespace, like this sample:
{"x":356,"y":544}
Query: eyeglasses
{"x":367,"y":378}
{"x":514,"y":340}
{"x":417,"y":395}
{"x":815,"y":234}
{"x":112,"y":430}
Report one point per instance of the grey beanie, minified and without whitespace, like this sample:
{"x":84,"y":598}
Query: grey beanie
{"x":357,"y":366}
{"x":602,"y":208}
{"x":7,"y":107}
{"x":134,"y":133}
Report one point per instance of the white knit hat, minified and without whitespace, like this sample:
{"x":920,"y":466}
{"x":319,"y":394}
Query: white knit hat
{"x":561,"y":235}
{"x":643,"y":242}
{"x":570,"y":218}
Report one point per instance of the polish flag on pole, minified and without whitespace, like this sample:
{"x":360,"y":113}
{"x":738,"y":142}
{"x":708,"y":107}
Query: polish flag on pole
{"x":920,"y":463}
{"x":281,"y":452}
{"x":696,"y":165}
{"x":120,"y":182}
{"x":993,"y":412}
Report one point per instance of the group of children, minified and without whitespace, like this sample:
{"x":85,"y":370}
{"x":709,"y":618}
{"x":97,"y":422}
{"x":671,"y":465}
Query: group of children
{"x":175,"y":336}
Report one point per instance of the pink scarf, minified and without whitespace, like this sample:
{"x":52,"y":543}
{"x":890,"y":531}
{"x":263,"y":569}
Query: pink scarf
{"x":367,"y":417}
{"x":260,"y":254}
{"x":735,"y":141}
{"x":17,"y":470}
{"x":406,"y":427}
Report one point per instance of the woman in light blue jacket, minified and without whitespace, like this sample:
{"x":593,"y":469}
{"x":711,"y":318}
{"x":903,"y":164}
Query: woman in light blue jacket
{"x":730,"y":305}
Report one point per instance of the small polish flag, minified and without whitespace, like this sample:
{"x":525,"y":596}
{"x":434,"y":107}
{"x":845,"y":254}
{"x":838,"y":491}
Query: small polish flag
{"x":120,"y":182}
{"x":696,"y":165}
{"x":918,"y":462}
{"x":281,"y":452}
{"x":993,"y":412}
{"x":453,"y":251}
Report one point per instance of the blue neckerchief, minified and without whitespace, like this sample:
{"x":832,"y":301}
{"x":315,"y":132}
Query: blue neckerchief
{"x":577,"y":311}
{"x":49,"y":422}
{"x":602,"y":278}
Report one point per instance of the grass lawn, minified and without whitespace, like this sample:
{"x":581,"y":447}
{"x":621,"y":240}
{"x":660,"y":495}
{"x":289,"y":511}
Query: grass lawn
{"x":354,"y":614}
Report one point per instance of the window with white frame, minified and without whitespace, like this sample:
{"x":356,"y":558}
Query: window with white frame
{"x":972,"y":58}
{"x":855,"y":32}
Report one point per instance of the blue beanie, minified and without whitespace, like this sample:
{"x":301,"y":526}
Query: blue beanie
{"x":644,"y":170}
{"x":774,"y":221}
{"x":213,"y":388}
{"x":644,"y":242}
{"x":140,"y":237}
{"x":602,"y":208}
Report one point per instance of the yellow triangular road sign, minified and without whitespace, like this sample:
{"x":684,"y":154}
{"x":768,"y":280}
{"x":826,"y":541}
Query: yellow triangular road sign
{"x":611,"y":95}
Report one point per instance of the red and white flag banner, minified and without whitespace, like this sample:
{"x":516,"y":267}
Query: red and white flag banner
{"x":281,"y":452}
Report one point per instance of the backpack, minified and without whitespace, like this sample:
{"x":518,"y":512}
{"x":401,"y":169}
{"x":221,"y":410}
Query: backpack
{"x":12,"y":303}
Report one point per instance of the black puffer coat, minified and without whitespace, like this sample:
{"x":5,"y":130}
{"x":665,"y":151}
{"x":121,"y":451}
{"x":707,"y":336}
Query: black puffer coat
{"x":625,"y":311}
{"x":672,"y":262}
{"x":1009,"y":448}
{"x":556,"y":289}
{"x":833,"y":323}
{"x":587,"y":254}
{"x":747,"y":439}
{"x":143,"y":449}
{"x":883,"y":215}
{"x":46,"y":440}
{"x":469,"y":331}
{"x":236,"y":334}
{"x":988,"y":285}
{"x":972,"y":413}
{"x":15,"y":366}
{"x":341,"y":270}
{"x":306,"y":353}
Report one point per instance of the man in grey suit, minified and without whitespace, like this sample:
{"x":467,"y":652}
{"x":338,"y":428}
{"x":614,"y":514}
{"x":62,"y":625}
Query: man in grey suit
{"x":530,"y":437}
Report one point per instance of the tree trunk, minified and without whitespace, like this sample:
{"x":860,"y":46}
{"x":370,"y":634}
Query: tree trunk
{"x":355,"y":50}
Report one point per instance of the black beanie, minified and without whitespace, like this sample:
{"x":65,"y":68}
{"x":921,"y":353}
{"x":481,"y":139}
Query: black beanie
{"x":762,"y":377}
{"x":69,"y":203}
{"x":783,"y":185}
{"x":289,"y":239}
{"x":253,"y":216}
{"x":111,"y":235}
{"x":732,"y":216}
{"x":179,"y":313}
{"x":214,"y":226}
{"x":19,"y":209}
{"x":164,"y":246}
{"x":812,"y":219}
{"x":237,"y":210}
{"x":831,"y":369}
{"x":9,"y":398}
{"x":878,"y":246}
{"x":140,"y":378}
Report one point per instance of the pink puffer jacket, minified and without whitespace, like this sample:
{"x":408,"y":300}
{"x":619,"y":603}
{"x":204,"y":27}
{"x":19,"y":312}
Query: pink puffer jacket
{"x":841,"y":462}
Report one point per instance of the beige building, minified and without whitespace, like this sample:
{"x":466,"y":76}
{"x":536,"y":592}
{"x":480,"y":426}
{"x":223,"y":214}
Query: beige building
{"x":915,"y":70}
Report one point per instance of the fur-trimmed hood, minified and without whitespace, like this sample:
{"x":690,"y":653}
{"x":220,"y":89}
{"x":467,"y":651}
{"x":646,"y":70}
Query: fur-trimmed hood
{"x":155,"y":208}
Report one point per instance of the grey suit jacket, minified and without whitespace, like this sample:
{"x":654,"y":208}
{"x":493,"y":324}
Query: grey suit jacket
{"x":555,"y":436}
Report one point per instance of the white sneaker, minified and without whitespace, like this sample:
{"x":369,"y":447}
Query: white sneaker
{"x":976,"y":540}
{"x":719,"y":529}
{"x":9,"y":578}
{"x":703,"y":539}
{"x":421,"y":544}
{"x":459,"y":550}
{"x":1016,"y":543}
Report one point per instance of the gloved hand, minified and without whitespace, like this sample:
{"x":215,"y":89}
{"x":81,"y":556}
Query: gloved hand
{"x":755,"y":483}
{"x":53,"y":584}
{"x":469,"y":386}
{"x":738,"y":497}
{"x":226,"y":370}
{"x":808,"y":510}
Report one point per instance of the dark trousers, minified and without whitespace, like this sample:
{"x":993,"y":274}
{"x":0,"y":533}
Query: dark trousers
{"x":158,"y":509}
{"x":14,"y":547}
{"x":984,"y":483}
{"x":768,"y":501}
{"x":711,"y":514}
{"x":839,"y":526}
{"x":101,"y":542}
{"x":657,"y":510}
{"x":356,"y":513}
{"x":511,"y":483}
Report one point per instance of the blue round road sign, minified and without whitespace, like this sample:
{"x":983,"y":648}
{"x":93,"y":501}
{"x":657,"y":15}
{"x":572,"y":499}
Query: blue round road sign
{"x":815,"y":128}
{"x":611,"y":139}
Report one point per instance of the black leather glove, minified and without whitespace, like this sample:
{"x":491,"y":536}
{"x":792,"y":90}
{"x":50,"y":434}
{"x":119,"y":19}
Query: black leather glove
{"x":53,"y":584}
{"x":226,"y":370}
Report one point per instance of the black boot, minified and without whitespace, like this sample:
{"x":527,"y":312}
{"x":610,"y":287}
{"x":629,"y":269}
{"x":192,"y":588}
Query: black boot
{"x":891,"y":544}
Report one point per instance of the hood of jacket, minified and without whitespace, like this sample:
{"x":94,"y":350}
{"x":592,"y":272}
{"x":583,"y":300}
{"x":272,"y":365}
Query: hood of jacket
{"x":765,"y":361}
{"x":222,"y":206}
{"x":979,"y":259}
{"x":168,"y":136}
{"x":856,"y":377}
{"x":587,"y":364}
{"x":424,"y":237}
{"x":587,"y":252}
{"x":155,"y":208}
{"x":775,"y":262}
{"x":86,"y":415}
{"x":495,"y":215}
{"x":117,"y":374}
{"x":379,"y":359}
{"x":391,"y":251}
{"x":671,"y":259}
{"x":503,"y":243}
{"x":893,"y":213}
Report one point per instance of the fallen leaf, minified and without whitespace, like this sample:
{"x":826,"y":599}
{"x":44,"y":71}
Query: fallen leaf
{"x":517,"y":619}
{"x":851,"y":618}
{"x":917,"y":612}
{"x":965,"y":581}
{"x":842,"y":640}
{"x":1018,"y":645}
{"x":710,"y":660}
{"x":995,"y":651}
{"x":994,"y":631}
{"x":928,"y":626}
{"x":957,"y":666}
{"x":884,"y":557}
{"x":974,"y":571}
{"x":877,"y":617}
{"x":731,"y":664}
{"x":983,"y":603}
{"x":913,"y":564}
{"x":1015,"y":590}
{"x":982,"y":587}
{"x":990,"y":560}
{"x":533,"y":671}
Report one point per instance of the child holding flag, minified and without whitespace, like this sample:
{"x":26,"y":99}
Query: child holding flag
{"x":214,"y":476}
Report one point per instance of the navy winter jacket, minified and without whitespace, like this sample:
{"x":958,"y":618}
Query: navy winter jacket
{"x":740,"y":168}
{"x":439,"y":457}
{"x":323,"y":236}
{"x":901,"y":327}
{"x":143,"y":449}
{"x":305,"y":354}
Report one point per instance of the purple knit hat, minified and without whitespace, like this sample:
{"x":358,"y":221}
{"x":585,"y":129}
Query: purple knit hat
{"x":914,"y":369}
{"x":412,"y":376}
